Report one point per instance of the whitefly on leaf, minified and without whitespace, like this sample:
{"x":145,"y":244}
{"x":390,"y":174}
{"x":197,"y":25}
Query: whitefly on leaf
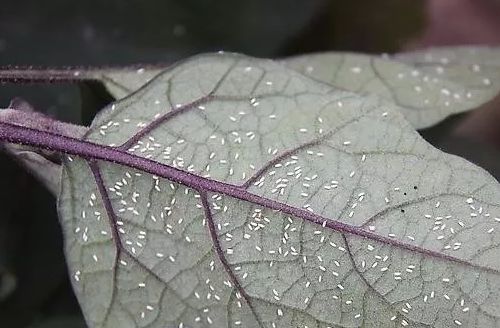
{"x":427,"y":85}
{"x":234,"y":192}
{"x":425,"y":95}
{"x":477,"y":68}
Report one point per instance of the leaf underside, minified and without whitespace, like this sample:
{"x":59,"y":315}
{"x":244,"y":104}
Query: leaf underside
{"x":425,"y":92}
{"x":476,"y":68}
{"x":426,"y":86}
{"x":295,"y":205}
{"x":122,"y":82}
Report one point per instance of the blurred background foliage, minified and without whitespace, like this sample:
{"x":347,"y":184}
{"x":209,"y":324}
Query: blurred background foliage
{"x":34,"y":286}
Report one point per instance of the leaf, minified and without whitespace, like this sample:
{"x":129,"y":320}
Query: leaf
{"x":45,"y":171}
{"x":233,"y":192}
{"x":424,"y":96}
{"x":477,"y":68}
{"x":8,"y":283}
{"x":425,"y":92}
{"x":121,"y":82}
{"x":37,"y":162}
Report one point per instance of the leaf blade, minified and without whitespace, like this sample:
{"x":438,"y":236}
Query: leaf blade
{"x":424,"y":95}
{"x":395,"y":157}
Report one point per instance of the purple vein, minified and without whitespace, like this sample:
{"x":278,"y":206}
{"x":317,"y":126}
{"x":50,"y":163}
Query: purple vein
{"x":112,"y":223}
{"x":220,"y":254}
{"x":257,"y":175}
{"x":107,"y":205}
{"x":85,"y":149}
{"x":314,"y":142}
{"x":174,"y":112}
{"x":369,"y":286}
{"x":112,"y":219}
{"x":157,"y":122}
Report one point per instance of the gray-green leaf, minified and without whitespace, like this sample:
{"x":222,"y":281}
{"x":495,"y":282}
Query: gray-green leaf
{"x":477,"y":68}
{"x":122,"y":82}
{"x":35,"y":161}
{"x":425,"y":92}
{"x":293,"y":205}
{"x":427,"y":86}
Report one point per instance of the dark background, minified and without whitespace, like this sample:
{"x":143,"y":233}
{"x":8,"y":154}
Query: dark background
{"x":106,"y":33}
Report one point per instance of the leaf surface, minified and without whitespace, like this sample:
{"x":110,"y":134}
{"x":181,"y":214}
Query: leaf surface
{"x":34,"y":160}
{"x":425,"y":92}
{"x":122,"y":82}
{"x":477,"y":68}
{"x":460,"y":55}
{"x":233,"y":192}
{"x":427,"y":86}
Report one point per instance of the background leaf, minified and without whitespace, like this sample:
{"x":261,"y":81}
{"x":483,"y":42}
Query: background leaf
{"x":280,"y":202}
{"x":425,"y":94}
{"x":477,"y":68}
